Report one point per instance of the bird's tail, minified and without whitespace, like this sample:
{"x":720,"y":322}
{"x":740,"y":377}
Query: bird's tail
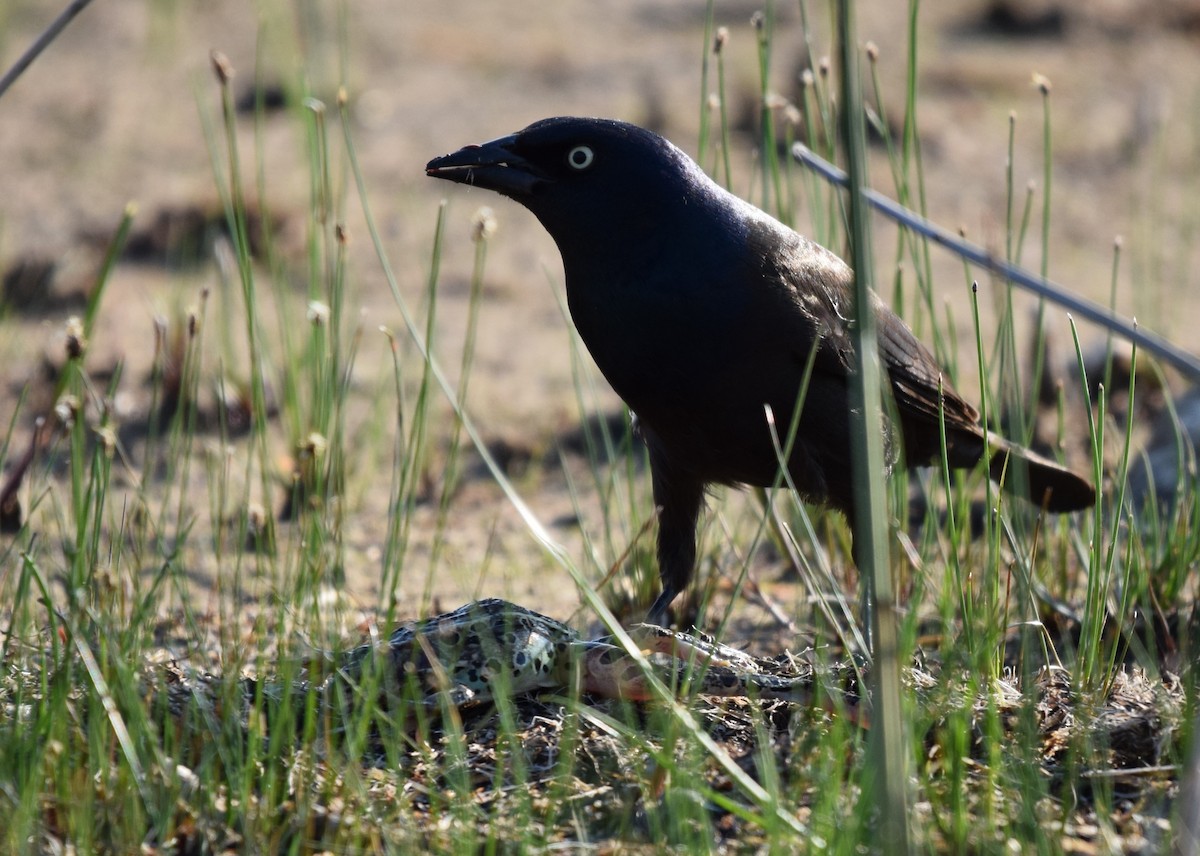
{"x":1046,"y":483}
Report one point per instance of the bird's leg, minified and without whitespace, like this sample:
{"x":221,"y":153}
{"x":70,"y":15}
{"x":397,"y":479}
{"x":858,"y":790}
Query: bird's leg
{"x":866,"y":584}
{"x":679,"y":498}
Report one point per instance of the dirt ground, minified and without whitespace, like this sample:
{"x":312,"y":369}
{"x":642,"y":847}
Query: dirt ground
{"x":112,"y":114}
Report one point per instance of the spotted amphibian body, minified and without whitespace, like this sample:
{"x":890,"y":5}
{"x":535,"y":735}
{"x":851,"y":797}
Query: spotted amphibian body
{"x":471,"y":654}
{"x":493,"y":647}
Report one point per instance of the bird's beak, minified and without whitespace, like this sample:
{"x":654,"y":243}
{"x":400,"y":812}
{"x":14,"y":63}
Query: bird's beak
{"x":493,"y":166}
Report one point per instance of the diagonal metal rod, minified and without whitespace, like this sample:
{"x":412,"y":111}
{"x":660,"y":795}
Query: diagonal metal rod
{"x":42,"y":42}
{"x":1186,"y":362}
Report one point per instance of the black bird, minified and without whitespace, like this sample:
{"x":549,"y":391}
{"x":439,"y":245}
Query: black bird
{"x":701,"y":310}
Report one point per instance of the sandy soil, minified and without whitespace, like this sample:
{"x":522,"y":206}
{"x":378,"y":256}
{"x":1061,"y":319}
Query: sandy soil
{"x":112,"y":114}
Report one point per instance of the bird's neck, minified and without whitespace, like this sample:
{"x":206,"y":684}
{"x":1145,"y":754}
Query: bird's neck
{"x":650,"y":248}
{"x":668,"y":277}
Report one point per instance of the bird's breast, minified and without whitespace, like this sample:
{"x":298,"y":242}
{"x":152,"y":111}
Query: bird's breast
{"x":653,"y":336}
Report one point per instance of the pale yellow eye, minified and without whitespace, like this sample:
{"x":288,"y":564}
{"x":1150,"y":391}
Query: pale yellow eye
{"x":580,"y":157}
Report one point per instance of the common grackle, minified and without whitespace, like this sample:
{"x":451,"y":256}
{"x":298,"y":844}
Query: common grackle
{"x":701,"y":311}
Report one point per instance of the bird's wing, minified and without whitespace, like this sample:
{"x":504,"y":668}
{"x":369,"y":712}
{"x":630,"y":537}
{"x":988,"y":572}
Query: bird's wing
{"x":820,"y":286}
{"x":808,"y":288}
{"x":919,"y":387}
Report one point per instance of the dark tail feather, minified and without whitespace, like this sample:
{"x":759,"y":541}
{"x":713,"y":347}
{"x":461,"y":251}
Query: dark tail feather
{"x":1050,"y":485}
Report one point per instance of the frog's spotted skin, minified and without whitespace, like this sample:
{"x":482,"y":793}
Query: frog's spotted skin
{"x":493,"y":646}
{"x":473,"y":651}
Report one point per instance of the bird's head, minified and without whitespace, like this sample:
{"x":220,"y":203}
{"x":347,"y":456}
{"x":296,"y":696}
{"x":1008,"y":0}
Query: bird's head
{"x":576,"y":174}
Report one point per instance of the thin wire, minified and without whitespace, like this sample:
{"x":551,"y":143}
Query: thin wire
{"x":41,"y":43}
{"x":1186,"y":362}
